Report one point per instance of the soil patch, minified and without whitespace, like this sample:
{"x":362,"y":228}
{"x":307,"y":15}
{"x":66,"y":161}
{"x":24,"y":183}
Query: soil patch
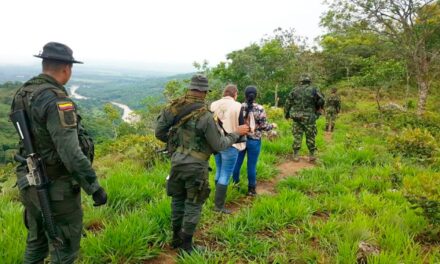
{"x":328,"y":136}
{"x":288,"y":168}
{"x":168,"y":256}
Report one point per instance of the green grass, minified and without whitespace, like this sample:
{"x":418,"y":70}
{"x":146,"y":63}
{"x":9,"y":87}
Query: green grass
{"x":354,"y":194}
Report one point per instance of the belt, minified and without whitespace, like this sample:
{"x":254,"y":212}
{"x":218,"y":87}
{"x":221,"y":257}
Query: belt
{"x":193,"y":153}
{"x":56,"y":171}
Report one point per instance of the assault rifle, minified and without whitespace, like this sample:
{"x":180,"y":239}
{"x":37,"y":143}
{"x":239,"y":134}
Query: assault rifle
{"x":37,"y":177}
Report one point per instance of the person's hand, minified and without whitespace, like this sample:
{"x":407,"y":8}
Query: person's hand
{"x":274,"y":125}
{"x":100,"y":197}
{"x":242,"y":130}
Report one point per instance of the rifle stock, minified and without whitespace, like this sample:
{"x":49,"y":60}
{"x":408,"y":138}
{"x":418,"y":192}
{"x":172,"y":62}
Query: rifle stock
{"x":37,"y":176}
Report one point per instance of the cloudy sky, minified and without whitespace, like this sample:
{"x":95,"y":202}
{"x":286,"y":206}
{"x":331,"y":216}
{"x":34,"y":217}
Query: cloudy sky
{"x":161,"y":33}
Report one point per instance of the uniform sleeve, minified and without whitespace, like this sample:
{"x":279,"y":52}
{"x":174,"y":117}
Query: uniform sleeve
{"x":61,"y":124}
{"x":320,"y":99}
{"x":215,"y":139}
{"x":163,"y":125}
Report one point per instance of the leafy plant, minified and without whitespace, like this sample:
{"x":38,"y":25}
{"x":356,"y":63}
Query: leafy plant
{"x":423,"y":191}
{"x":416,"y":144}
{"x":140,"y":148}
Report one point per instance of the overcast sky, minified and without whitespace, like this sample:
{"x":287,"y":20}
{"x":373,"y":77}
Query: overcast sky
{"x":156,"y":34}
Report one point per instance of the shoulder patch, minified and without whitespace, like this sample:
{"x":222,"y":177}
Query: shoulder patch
{"x":65,"y":106}
{"x":67,"y":113}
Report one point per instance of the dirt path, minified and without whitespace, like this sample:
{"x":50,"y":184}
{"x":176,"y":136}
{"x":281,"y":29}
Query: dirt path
{"x":328,"y":136}
{"x":286,"y":169}
{"x":167,"y":256}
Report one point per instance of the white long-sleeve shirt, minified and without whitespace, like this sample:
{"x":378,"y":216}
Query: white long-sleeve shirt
{"x":227,"y":110}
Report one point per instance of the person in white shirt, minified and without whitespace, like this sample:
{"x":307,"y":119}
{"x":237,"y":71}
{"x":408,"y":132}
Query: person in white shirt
{"x":227,"y":112}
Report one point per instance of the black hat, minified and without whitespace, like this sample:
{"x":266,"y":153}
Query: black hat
{"x":58,"y":52}
{"x":199,"y":82}
{"x":250,"y":90}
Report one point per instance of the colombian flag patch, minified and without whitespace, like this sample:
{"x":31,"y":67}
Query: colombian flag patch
{"x":65,"y":106}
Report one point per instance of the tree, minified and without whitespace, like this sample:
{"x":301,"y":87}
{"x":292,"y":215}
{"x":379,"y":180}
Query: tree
{"x":113,"y":116}
{"x":408,"y":24}
{"x":174,"y":89}
{"x":274,"y":65}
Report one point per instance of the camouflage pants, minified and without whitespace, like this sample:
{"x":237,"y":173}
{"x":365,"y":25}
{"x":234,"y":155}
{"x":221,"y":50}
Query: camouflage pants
{"x":304,"y":127}
{"x":330,"y":119}
{"x":67,"y":212}
{"x":189,"y":189}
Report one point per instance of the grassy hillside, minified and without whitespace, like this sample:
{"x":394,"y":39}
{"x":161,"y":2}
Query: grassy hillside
{"x":8,"y":137}
{"x":354,"y":205}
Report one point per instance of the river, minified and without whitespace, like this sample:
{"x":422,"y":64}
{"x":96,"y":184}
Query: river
{"x":128,"y":115}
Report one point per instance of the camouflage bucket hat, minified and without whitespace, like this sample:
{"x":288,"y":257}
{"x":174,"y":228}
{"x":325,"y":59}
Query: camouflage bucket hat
{"x":305,"y":78}
{"x":200,"y":83}
{"x":58,"y":52}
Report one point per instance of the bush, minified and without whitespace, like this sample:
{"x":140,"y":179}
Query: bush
{"x":423,"y":191}
{"x":135,"y":147}
{"x":415,"y":143}
{"x":6,"y":172}
{"x":274,"y":113}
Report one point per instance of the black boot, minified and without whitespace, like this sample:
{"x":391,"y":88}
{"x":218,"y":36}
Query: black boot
{"x":296,"y":155}
{"x":252,"y":191}
{"x":187,"y":245}
{"x":220,"y":198}
{"x":177,"y":238}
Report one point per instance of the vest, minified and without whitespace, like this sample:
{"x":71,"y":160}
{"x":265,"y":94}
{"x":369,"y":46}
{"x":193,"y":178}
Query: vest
{"x":25,"y":99}
{"x":184,"y":137}
{"x":302,"y":99}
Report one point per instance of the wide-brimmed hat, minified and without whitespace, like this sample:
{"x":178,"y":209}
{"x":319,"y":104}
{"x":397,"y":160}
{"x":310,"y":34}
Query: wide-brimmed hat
{"x":57,"y":52}
{"x":200,"y":83}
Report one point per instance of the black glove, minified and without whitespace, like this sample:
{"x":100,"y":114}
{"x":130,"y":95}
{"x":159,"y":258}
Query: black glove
{"x":100,"y":197}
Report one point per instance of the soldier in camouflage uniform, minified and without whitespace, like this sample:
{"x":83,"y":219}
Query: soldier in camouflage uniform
{"x":332,"y":109}
{"x":192,"y":136}
{"x":67,"y":152}
{"x":303,"y":106}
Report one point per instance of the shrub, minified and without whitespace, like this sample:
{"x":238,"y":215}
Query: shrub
{"x":6,"y":172}
{"x":274,"y":113}
{"x":415,"y":143}
{"x":423,"y":192}
{"x":135,"y":147}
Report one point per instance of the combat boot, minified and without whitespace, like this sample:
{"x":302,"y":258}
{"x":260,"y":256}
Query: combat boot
{"x":295,"y":156}
{"x":187,"y":244}
{"x":312,"y":157}
{"x":177,"y":238}
{"x":252,"y":191}
{"x":220,"y":198}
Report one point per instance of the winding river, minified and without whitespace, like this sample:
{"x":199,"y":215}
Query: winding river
{"x":128,"y":115}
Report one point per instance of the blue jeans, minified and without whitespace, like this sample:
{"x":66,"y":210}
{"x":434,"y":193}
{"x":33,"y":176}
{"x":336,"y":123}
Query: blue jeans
{"x":253,"y":148}
{"x":225,"y":161}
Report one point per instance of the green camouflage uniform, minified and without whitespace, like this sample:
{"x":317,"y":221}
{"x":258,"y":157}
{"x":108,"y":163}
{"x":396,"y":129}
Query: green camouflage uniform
{"x":332,"y":108}
{"x":63,"y":144}
{"x":301,"y":106}
{"x":194,"y":139}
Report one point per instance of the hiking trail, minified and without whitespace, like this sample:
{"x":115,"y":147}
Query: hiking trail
{"x":286,"y":169}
